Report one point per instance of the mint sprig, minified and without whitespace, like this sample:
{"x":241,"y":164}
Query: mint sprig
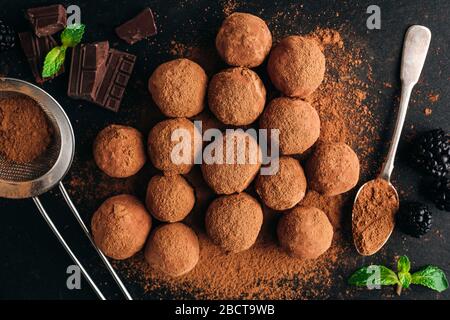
{"x":70,"y":37}
{"x":372,"y":276}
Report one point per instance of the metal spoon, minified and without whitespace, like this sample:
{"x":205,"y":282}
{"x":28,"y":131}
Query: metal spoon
{"x":415,"y":48}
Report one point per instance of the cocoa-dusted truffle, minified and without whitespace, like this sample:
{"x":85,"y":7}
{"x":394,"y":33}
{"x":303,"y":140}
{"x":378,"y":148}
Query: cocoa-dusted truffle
{"x":243,"y":40}
{"x":296,"y":66}
{"x":297,"y":120}
{"x":173,"y":249}
{"x":120,"y":226}
{"x":228,"y":177}
{"x":305,"y":232}
{"x":236,"y":96}
{"x":332,"y":169}
{"x":160,"y":145}
{"x":169,"y":198}
{"x":233,"y":222}
{"x":119,"y":151}
{"x":178,"y":88}
{"x":283,"y":190}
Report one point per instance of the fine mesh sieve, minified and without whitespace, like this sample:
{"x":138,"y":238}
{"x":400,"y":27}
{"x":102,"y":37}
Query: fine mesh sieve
{"x":32,"y":179}
{"x":20,"y":181}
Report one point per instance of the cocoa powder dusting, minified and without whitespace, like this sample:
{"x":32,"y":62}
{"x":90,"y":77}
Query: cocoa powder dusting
{"x":374,"y":215}
{"x":25,"y":132}
{"x":264,"y":271}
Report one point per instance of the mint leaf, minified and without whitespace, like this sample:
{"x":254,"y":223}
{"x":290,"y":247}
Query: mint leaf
{"x":403,"y":264}
{"x":405,"y":279}
{"x":373,"y":275}
{"x":53,"y":61}
{"x":71,"y":36}
{"x":431,"y":277}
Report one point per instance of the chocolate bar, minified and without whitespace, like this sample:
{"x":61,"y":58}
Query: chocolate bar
{"x":138,"y":28}
{"x":87,"y":69}
{"x":47,"y":21}
{"x":35,"y":50}
{"x":119,"y":67}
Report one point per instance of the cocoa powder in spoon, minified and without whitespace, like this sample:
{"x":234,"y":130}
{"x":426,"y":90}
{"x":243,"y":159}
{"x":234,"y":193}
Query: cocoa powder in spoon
{"x":374,"y":215}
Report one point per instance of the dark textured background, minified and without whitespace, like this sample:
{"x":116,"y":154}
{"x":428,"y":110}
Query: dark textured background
{"x":33,"y":264}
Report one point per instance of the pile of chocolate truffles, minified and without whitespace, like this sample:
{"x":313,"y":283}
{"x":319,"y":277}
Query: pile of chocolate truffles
{"x":237,"y":97}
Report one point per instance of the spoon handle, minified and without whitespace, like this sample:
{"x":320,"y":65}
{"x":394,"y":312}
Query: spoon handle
{"x":415,"y":48}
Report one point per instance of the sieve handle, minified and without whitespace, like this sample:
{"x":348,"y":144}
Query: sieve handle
{"x":66,"y":246}
{"x":88,"y":234}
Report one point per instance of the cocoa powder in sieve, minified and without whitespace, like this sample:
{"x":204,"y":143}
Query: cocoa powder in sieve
{"x":25,"y":132}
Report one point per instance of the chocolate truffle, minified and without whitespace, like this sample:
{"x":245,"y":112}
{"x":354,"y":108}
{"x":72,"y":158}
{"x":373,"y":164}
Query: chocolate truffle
{"x":119,"y":151}
{"x":297,"y":120}
{"x":233,"y":222}
{"x":227,"y":175}
{"x":173,"y":249}
{"x":243,"y":40}
{"x":178,"y":88}
{"x":236,"y":96}
{"x":120,"y":226}
{"x":332,"y":169}
{"x":296,"y":66}
{"x":283,"y":190}
{"x":169,"y":198}
{"x":161,"y":144}
{"x":305,"y":232}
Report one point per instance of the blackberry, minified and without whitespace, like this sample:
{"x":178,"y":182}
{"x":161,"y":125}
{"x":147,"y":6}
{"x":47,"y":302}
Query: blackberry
{"x":440,"y":193}
{"x":7,"y":37}
{"x":414,"y":219}
{"x":432,"y":152}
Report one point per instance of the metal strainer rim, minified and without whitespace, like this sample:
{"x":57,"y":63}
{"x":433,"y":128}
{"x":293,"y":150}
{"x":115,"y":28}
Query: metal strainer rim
{"x":42,"y":184}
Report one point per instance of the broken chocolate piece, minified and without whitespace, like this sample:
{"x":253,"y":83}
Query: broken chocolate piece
{"x":138,"y":28}
{"x":47,"y":21}
{"x":35,"y":50}
{"x":119,"y":67}
{"x":87,"y":69}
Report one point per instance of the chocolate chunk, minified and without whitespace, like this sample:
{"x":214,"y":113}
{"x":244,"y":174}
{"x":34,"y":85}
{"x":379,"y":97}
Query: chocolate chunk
{"x":119,"y":67}
{"x":138,"y":28}
{"x":35,"y":50}
{"x":47,"y":21}
{"x":87,"y":69}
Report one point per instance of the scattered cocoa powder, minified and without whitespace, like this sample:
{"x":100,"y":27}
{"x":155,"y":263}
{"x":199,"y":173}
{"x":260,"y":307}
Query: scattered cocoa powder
{"x":341,"y":99}
{"x":264,"y":271}
{"x":25,"y":132}
{"x":332,"y":206}
{"x":179,"y":49}
{"x":229,"y":7}
{"x":374,"y":215}
{"x":433,"y":97}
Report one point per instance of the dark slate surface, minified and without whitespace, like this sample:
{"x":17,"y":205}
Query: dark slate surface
{"x":33,"y":264}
